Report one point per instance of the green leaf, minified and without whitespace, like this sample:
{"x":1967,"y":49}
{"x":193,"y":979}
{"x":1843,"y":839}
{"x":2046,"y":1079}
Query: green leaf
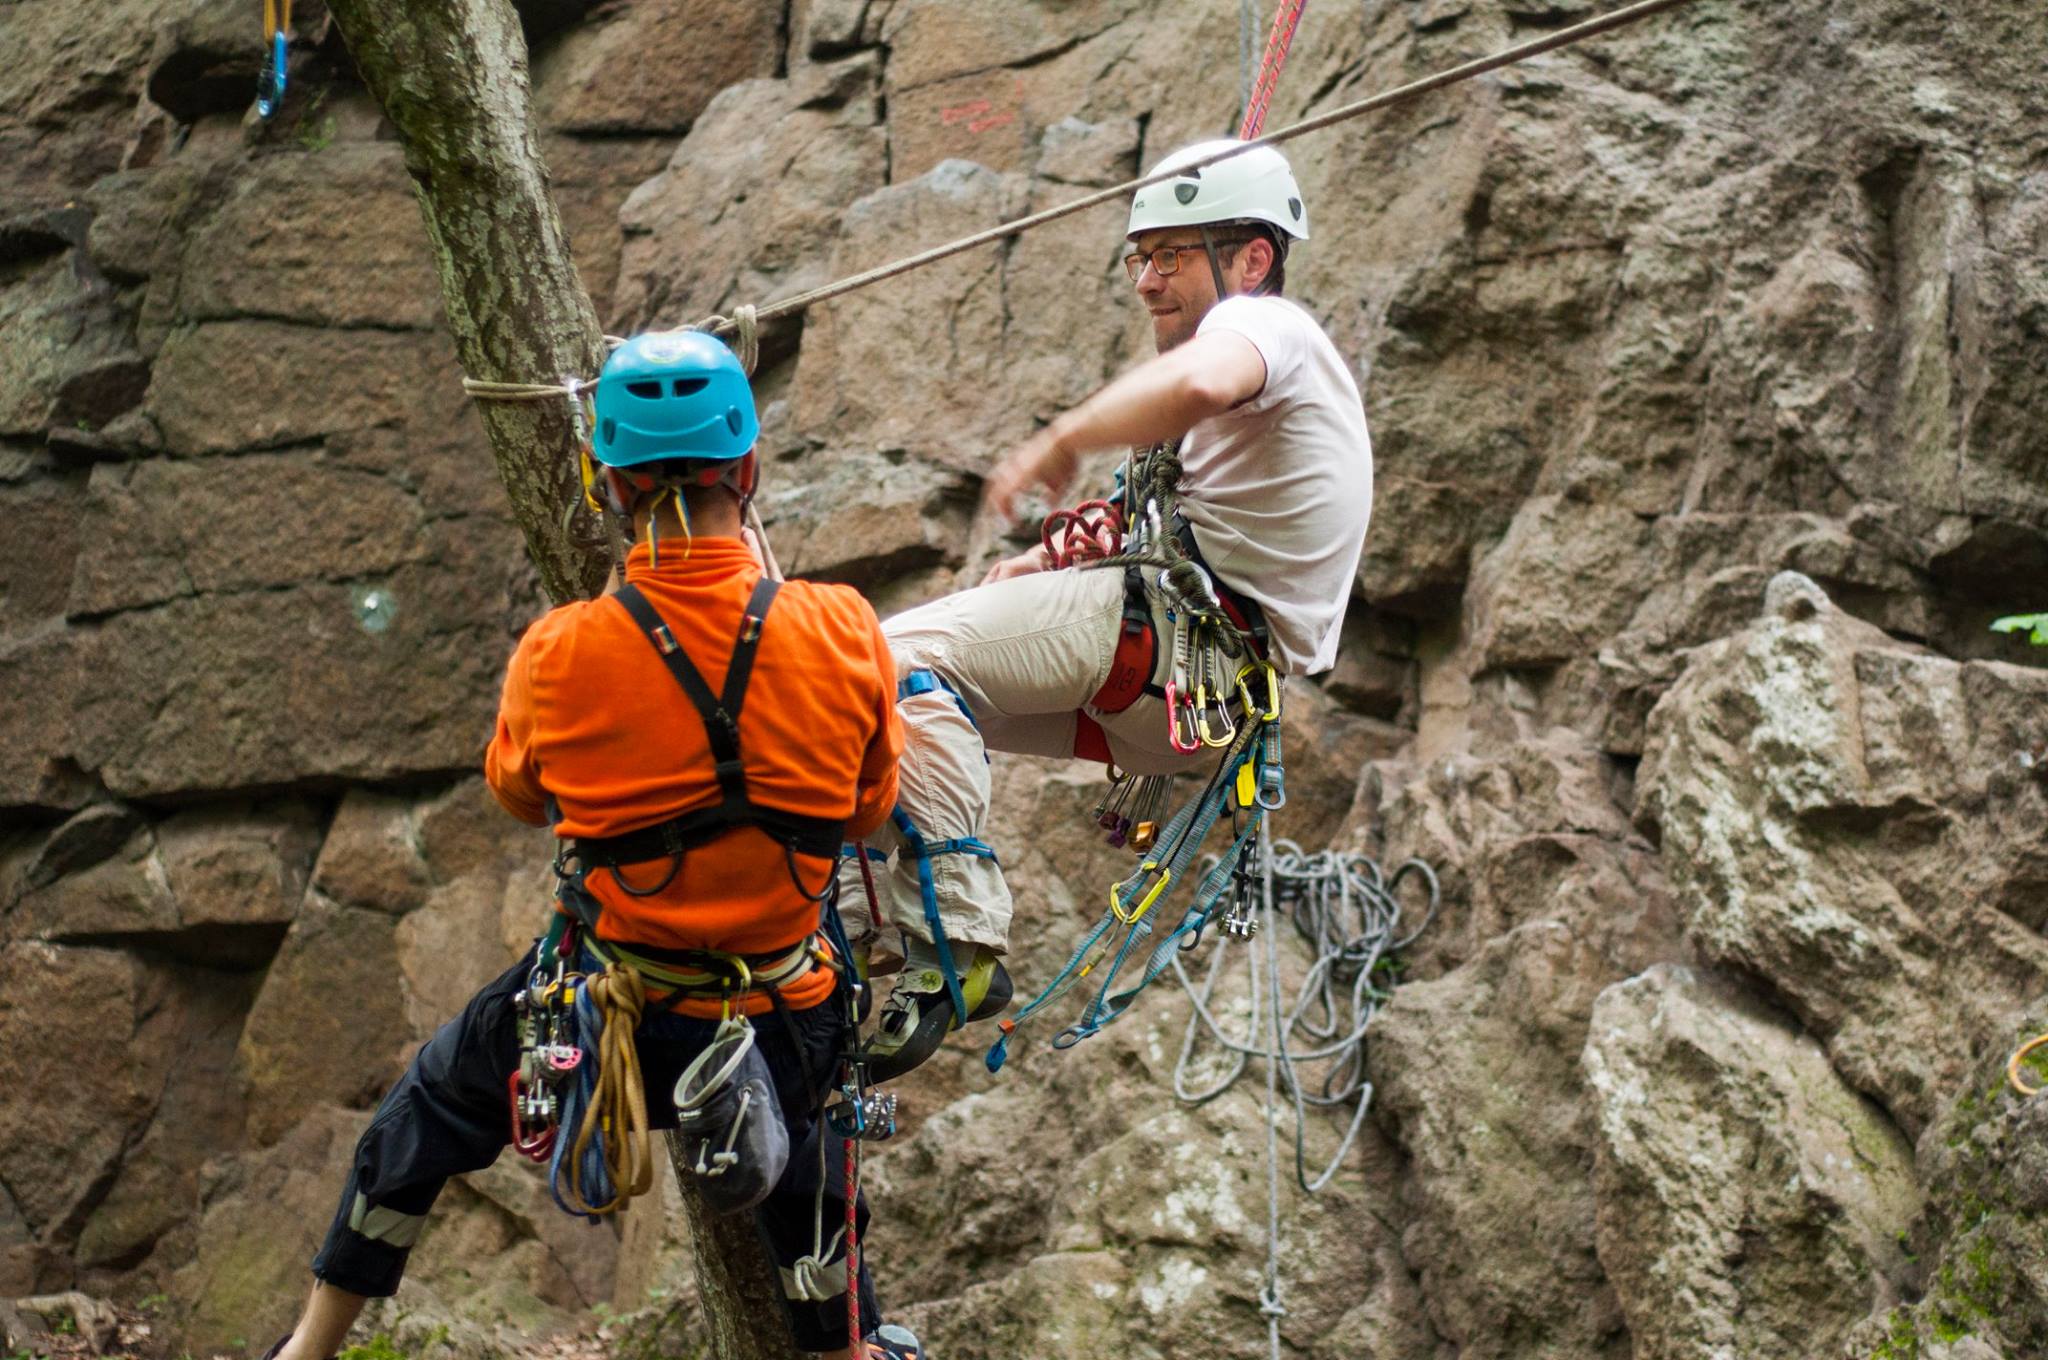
{"x":2035,"y":624}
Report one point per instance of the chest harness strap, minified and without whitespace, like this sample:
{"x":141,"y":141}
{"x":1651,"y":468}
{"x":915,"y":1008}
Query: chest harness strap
{"x":720,"y":715}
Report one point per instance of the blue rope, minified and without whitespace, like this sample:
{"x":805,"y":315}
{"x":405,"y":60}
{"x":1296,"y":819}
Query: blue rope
{"x":592,"y":1171}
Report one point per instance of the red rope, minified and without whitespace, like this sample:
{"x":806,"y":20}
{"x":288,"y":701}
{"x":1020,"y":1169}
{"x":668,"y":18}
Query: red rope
{"x":853,"y":1336}
{"x":1278,"y":40}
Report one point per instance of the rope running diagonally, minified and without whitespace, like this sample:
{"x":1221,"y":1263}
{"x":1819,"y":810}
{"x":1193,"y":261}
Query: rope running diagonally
{"x":1285,"y":20}
{"x":744,"y":321}
{"x":1564,"y":37}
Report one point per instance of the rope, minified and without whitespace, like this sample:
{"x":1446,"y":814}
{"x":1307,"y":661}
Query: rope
{"x":611,"y":1160}
{"x":1269,"y":1296}
{"x":1285,"y":20}
{"x":2012,"y":1065}
{"x":1347,"y":911}
{"x":1564,"y":37}
{"x":1246,"y":21}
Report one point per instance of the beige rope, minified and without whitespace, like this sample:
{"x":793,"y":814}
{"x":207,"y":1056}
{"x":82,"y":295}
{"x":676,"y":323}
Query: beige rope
{"x":745,"y":321}
{"x":1564,"y":37}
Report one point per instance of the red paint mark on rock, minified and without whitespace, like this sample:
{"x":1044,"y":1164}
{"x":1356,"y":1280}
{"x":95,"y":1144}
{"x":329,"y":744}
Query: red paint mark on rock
{"x":965,"y":113}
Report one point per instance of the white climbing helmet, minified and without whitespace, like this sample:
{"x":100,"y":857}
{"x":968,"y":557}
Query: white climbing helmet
{"x":1256,"y":186}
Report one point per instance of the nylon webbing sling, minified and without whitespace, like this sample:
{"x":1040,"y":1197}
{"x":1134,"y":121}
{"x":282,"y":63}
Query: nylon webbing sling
{"x":720,"y":715}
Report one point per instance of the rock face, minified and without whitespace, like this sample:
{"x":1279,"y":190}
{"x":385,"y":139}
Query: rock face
{"x":1703,"y":365}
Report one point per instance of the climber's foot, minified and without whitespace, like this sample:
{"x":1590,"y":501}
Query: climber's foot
{"x":919,"y":1012}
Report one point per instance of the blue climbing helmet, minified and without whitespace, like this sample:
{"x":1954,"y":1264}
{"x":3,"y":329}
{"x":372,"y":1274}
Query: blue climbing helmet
{"x":671,"y":395}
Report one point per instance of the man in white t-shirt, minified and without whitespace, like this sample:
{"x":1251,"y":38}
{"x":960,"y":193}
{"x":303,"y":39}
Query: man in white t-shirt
{"x":1276,"y":493}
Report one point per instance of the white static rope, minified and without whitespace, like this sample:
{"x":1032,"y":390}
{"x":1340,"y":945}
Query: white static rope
{"x":1247,"y":19}
{"x":805,"y":1280}
{"x":1347,"y":911}
{"x":1269,"y":1297}
{"x":1322,"y":891}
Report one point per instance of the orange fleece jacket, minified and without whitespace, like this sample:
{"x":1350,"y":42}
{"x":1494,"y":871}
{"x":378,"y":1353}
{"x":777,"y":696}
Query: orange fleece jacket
{"x":592,"y":716}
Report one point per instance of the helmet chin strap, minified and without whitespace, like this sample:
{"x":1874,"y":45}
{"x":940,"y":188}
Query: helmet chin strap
{"x":1215,"y":269}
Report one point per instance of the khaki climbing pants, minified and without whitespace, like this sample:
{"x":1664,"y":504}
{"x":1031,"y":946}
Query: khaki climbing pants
{"x":1022,"y":657}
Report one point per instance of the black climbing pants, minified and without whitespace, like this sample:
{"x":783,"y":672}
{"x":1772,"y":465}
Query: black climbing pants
{"x":450,"y":1113}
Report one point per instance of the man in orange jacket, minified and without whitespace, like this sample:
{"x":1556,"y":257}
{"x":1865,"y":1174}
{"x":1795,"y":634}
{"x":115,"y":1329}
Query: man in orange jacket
{"x":703,"y":840}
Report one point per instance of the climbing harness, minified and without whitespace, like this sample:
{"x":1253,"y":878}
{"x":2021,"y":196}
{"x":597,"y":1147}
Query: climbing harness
{"x":720,"y":715}
{"x":922,"y":851}
{"x":270,"y":81}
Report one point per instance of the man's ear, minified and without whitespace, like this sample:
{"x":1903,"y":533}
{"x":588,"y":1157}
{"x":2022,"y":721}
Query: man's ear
{"x":1257,"y":255}
{"x":749,"y":473}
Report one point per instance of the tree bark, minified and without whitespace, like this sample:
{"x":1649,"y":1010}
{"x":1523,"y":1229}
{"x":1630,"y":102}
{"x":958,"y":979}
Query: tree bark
{"x":452,"y":78}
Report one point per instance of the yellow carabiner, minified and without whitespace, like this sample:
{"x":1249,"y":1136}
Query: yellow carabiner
{"x":1131,"y":916}
{"x":1272,"y":713}
{"x":1202,"y":731}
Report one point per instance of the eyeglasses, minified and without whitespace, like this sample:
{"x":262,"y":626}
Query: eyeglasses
{"x":1166,"y":259}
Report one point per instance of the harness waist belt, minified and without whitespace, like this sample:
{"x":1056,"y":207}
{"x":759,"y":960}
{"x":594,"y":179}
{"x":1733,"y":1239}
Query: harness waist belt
{"x":709,"y":972}
{"x":820,"y":836}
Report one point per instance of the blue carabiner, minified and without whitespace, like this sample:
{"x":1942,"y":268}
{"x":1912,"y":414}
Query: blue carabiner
{"x":271,"y":81}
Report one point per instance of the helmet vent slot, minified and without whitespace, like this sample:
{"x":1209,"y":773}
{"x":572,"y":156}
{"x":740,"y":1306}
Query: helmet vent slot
{"x":651,"y":390}
{"x":611,"y":429}
{"x":689,"y":387}
{"x":733,"y":419}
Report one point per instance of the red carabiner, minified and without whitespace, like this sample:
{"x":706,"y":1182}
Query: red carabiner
{"x":1174,"y":708}
{"x":534,"y":1147}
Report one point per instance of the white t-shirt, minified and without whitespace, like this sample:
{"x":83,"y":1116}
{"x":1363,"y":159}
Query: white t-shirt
{"x":1279,"y":489}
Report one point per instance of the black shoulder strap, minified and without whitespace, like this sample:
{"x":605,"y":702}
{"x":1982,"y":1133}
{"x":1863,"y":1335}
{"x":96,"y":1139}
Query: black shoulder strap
{"x":720,"y":714}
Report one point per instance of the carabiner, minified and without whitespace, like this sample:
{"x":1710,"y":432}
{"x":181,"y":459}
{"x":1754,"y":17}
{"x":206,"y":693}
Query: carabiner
{"x":1175,"y":708}
{"x":1272,"y":711}
{"x":1132,"y":915}
{"x":1202,"y":710}
{"x":271,"y":82}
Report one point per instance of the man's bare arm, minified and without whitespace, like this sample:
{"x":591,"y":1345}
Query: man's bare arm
{"x":1160,"y":399}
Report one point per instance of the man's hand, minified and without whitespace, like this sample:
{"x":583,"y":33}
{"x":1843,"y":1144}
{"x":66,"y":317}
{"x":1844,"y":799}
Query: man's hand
{"x":1039,"y":461}
{"x":1023,"y":564}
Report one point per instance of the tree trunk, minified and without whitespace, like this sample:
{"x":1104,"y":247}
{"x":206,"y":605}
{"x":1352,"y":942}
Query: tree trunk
{"x":451,"y":77}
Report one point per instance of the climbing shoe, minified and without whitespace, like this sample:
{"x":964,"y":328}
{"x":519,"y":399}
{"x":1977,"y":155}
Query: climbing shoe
{"x":919,"y":1012}
{"x":894,"y":1341}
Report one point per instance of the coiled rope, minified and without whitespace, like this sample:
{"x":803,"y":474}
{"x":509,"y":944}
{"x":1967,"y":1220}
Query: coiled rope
{"x":610,"y":1160}
{"x":1349,"y":914}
